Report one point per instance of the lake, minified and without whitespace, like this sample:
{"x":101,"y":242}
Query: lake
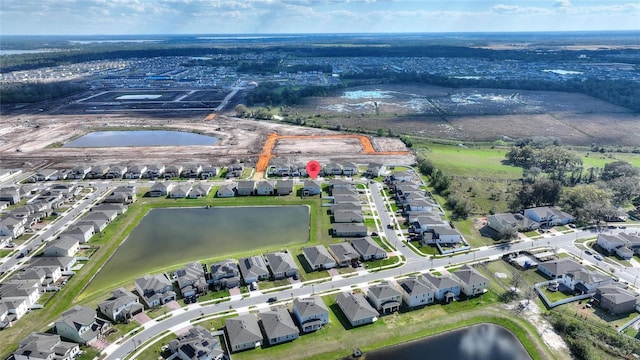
{"x":140,"y":138}
{"x":174,"y":236}
{"x":478,"y":342}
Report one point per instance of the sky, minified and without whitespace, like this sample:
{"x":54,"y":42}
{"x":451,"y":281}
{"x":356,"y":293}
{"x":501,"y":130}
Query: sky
{"x":130,"y":17}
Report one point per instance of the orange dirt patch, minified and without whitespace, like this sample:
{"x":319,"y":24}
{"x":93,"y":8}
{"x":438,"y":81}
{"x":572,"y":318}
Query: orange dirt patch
{"x":210,"y":117}
{"x":272,"y":139}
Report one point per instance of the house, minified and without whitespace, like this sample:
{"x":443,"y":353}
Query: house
{"x":253,"y":269}
{"x":66,"y":190}
{"x":180,"y":191}
{"x":356,"y":308}
{"x":423,"y":223}
{"x":191,"y":171}
{"x":199,"y":190}
{"x":67,"y":246}
{"x":318,"y":257}
{"x":416,"y":291}
{"x":311,"y":313}
{"x":79,"y":172}
{"x":340,"y":184}
{"x":299,"y":169}
{"x":278,"y":326}
{"x":10,"y":195}
{"x":82,"y":233}
{"x":227,"y":190}
{"x":118,"y":208}
{"x":615,"y":299}
{"x":65,"y":263}
{"x":368,"y":249}
{"x":29,"y":274}
{"x":375,"y":170}
{"x":265,"y":187}
{"x":97,"y":172}
{"x":15,"y":309}
{"x":501,"y":222}
{"x":310,"y":188}
{"x":172,"y":171}
{"x":284,"y":187}
{"x":281,"y":264}
{"x":385,"y":297}
{"x":584,"y":281}
{"x":346,"y":198}
{"x":197,"y":344}
{"x":27,"y":290}
{"x":243,"y":332}
{"x":445,"y":235}
{"x":404,"y":175}
{"x":135,"y":172}
{"x":122,"y":195}
{"x":279,"y":167}
{"x":447,"y":288}
{"x":52,"y":273}
{"x":42,"y":346}
{"x":81,"y":325}
{"x":161,"y":188}
{"x":191,"y":279}
{"x":349,"y":169}
{"x":12,"y":226}
{"x":349,"y":230}
{"x":548,"y":216}
{"x":154,"y":171}
{"x":234,"y":171}
{"x":155,"y":290}
{"x":557,"y":268}
{"x":225,"y":274}
{"x":345,"y":207}
{"x":122,"y":305}
{"x":624,"y":245}
{"x":333,"y":169}
{"x":209,"y":171}
{"x":344,"y":253}
{"x":348,"y":216}
{"x":45,"y":175}
{"x":472,"y":282}
{"x":98,"y":224}
{"x":116,"y":172}
{"x":246,"y":187}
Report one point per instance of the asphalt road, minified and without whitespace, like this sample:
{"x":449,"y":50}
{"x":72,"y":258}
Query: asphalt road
{"x":50,"y":231}
{"x":414,"y":263}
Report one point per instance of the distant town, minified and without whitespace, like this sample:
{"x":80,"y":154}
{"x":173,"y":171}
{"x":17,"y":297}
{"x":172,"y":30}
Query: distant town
{"x":156,"y":199}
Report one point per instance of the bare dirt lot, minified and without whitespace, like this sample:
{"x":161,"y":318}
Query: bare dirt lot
{"x":478,"y":114}
{"x":35,"y":140}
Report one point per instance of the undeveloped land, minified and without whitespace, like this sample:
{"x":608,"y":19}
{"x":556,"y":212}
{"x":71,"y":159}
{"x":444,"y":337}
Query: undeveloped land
{"x":479,"y":114}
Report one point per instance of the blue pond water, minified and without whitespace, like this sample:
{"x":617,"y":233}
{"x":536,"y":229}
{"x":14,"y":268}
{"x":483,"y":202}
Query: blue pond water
{"x":140,"y":138}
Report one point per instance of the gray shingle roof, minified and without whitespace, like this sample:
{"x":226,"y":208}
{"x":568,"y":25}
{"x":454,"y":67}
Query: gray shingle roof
{"x":278,"y":323}
{"x":243,"y":329}
{"x":317,"y":255}
{"x":310,"y":306}
{"x":355,"y":307}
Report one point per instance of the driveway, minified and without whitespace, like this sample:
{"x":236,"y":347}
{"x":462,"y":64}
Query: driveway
{"x":141,"y":318}
{"x":173,"y":305}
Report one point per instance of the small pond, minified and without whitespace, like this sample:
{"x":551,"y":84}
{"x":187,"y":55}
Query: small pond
{"x":173,"y":236}
{"x":140,"y":138}
{"x":478,"y":342}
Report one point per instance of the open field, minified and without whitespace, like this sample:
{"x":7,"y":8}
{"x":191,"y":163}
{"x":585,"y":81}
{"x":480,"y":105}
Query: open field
{"x":477,"y":114}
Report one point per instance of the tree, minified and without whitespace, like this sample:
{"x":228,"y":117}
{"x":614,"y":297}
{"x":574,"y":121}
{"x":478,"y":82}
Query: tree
{"x":624,"y":189}
{"x":617,"y":169}
{"x":241,"y":110}
{"x":591,"y":204}
{"x":380,"y":132}
{"x":507,"y":233}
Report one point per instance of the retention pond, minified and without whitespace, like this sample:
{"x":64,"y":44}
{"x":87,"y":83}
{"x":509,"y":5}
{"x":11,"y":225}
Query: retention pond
{"x":140,"y":138}
{"x":173,"y":236}
{"x":478,"y":342}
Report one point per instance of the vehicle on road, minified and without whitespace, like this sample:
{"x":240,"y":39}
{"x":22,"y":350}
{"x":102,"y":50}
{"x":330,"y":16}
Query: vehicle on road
{"x":272,"y":299}
{"x":588,"y":252}
{"x":598,"y":257}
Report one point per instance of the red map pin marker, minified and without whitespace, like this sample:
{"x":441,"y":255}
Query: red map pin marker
{"x":313,"y":168}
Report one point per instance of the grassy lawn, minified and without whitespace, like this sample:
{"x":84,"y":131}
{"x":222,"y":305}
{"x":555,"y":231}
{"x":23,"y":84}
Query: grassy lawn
{"x":596,"y":315}
{"x":121,"y":330}
{"x":482,"y":162}
{"x":374,"y":264}
{"x":337,"y":339}
{"x":5,"y":252}
{"x":554,"y":296}
{"x":88,"y":353}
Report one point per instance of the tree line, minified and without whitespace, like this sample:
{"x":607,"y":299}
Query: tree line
{"x":13,"y":93}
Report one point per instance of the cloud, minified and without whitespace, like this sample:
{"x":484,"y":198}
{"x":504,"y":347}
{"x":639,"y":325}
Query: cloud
{"x":562,"y":3}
